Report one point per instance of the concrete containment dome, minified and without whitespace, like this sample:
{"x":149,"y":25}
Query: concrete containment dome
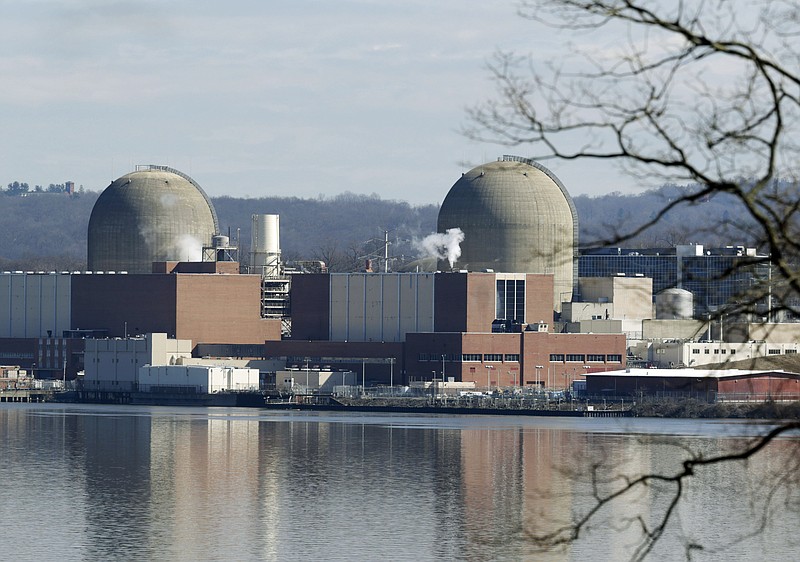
{"x":153,"y":214}
{"x":517,"y":217}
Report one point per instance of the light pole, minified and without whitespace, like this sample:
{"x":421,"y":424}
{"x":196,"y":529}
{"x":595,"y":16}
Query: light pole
{"x":307,"y":359}
{"x":391,"y":372}
{"x":488,"y":381}
{"x":538,"y":375}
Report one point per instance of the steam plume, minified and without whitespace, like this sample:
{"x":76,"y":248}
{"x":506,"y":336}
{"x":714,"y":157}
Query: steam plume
{"x":445,"y":246}
{"x":189,"y":248}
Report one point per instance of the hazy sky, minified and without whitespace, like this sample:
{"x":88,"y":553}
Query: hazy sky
{"x":257,"y":97}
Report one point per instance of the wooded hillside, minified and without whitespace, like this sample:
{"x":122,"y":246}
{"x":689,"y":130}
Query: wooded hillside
{"x":47,"y":231}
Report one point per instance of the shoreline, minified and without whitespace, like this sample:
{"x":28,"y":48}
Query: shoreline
{"x":651,"y":408}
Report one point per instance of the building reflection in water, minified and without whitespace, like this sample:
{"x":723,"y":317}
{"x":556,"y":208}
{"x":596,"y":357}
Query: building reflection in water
{"x":242,"y":484}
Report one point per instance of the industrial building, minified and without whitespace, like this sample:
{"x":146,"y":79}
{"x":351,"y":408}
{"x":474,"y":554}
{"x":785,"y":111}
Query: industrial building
{"x":493,"y":329}
{"x":517,"y":217}
{"x":158,"y":264}
{"x":155,"y":363}
{"x":732,"y":385}
{"x":510,"y":310}
{"x":714,"y":277}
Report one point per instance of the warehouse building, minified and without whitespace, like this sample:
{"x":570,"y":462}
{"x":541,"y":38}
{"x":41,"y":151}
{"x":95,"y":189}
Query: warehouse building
{"x":732,"y":385}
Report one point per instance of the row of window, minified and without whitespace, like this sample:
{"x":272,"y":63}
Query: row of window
{"x":514,"y":357}
{"x":721,"y":351}
{"x":472,"y":357}
{"x":778,"y":351}
{"x":724,"y":351}
{"x":585,"y":358}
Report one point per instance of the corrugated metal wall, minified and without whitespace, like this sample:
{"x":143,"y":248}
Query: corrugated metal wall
{"x":380,"y":306}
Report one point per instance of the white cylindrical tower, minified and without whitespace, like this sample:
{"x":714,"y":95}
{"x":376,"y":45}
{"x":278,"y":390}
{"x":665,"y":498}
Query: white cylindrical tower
{"x":265,"y":247}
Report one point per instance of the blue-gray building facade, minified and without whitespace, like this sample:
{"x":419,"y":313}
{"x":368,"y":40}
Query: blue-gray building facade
{"x":719,"y":278}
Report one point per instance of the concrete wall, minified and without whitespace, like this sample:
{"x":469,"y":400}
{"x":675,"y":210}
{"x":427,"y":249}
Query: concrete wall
{"x":33,"y":303}
{"x":315,"y":379}
{"x":673,"y":329}
{"x":580,"y":311}
{"x":632,"y":297}
{"x":777,"y":333}
{"x":113,"y":364}
{"x":204,"y":379}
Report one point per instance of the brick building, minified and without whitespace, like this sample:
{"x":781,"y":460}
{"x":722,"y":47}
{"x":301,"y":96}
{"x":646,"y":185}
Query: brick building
{"x":489,"y":328}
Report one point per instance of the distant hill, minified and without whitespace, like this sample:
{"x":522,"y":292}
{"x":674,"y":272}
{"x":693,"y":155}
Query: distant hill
{"x":47,"y":231}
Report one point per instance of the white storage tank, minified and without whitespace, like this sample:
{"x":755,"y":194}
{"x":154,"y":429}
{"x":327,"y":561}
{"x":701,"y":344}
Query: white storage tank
{"x":674,"y":304}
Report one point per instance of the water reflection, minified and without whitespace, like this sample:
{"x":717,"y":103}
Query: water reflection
{"x":95,"y":483}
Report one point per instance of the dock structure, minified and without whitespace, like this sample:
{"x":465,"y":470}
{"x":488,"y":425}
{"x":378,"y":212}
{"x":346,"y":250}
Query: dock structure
{"x":456,"y":410}
{"x":25,"y":395}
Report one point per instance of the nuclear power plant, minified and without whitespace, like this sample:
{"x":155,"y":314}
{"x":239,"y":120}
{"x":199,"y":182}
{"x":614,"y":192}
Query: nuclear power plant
{"x":504,"y":306}
{"x":517,"y":217}
{"x":154,"y":214}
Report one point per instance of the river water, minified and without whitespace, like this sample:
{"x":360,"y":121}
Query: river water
{"x":113,"y":482}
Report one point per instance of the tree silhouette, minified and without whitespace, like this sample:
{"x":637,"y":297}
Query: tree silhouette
{"x":705,"y":95}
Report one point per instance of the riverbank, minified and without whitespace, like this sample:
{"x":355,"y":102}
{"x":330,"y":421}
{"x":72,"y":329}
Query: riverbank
{"x":690,"y":408}
{"x":671,"y":408}
{"x":644,"y":408}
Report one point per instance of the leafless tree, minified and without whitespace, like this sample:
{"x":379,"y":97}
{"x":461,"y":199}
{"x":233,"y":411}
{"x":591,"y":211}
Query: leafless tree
{"x":339,"y":259}
{"x":705,"y":94}
{"x":698,"y":93}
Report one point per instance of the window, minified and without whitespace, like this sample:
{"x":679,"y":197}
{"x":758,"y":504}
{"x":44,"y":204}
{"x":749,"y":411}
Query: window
{"x":705,"y":351}
{"x":495,"y":357}
{"x":724,"y":351}
{"x":774,"y":352}
{"x":695,"y":351}
{"x":471,"y":357}
{"x":557,"y":357}
{"x":423,"y":357}
{"x":510,"y":299}
{"x":577,"y":357}
{"x":788,"y":351}
{"x":595,"y":358}
{"x":716,"y":352}
{"x":733,"y":352}
{"x":512,"y":357}
{"x":614,"y":358}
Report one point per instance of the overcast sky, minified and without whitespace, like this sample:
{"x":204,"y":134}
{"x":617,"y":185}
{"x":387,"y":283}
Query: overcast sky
{"x":255,"y":98}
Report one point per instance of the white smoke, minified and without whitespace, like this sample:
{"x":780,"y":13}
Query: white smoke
{"x":189,"y":248}
{"x":445,"y":246}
